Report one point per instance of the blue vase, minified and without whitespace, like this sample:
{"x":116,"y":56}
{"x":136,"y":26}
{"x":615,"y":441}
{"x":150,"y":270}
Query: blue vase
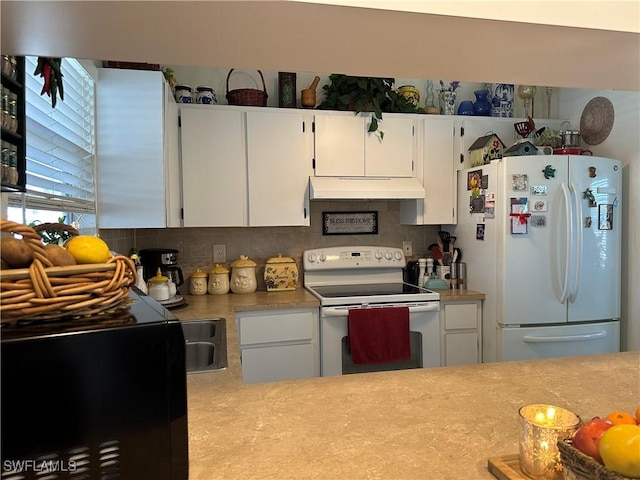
{"x":465,"y":108}
{"x":482,"y":106}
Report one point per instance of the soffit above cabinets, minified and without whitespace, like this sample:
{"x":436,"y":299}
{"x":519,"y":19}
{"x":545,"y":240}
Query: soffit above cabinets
{"x":449,"y":47}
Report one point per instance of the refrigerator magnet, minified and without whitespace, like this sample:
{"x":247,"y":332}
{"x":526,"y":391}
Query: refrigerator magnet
{"x":476,"y":204}
{"x":540,"y":205}
{"x":588,"y":195}
{"x":519,"y":215}
{"x":489,"y":208}
{"x":519,"y":181}
{"x":474,"y":181}
{"x":587,"y":222}
{"x":605,"y":216}
{"x":538,"y":220}
{"x":479,"y":231}
{"x":549,"y":172}
{"x":540,"y":190}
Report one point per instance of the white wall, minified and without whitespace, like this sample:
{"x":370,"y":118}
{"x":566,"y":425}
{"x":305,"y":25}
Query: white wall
{"x":622,"y":143}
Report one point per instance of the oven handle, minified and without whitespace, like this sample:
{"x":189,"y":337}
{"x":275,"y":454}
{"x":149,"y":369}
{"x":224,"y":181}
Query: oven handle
{"x":413,"y":308}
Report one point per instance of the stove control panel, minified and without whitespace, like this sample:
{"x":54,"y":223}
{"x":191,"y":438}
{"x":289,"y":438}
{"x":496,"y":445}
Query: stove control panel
{"x":332,"y":258}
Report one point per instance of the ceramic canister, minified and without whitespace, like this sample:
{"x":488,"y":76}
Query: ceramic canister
{"x":219,"y":280}
{"x":280,"y":273}
{"x":243,"y":275}
{"x":206,"y":95}
{"x":183,"y":94}
{"x":198,"y":283}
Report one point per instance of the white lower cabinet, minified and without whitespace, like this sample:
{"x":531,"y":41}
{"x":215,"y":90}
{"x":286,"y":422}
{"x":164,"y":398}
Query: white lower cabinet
{"x":278,"y":344}
{"x":460,"y":332}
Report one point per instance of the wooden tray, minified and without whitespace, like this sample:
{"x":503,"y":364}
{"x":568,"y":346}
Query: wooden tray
{"x":506,"y":467}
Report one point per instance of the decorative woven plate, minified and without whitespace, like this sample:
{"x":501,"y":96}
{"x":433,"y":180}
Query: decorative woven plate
{"x":596,"y":120}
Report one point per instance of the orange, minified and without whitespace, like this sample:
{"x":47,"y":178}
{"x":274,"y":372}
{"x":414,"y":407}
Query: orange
{"x":621,"y":418}
{"x":638,"y":413}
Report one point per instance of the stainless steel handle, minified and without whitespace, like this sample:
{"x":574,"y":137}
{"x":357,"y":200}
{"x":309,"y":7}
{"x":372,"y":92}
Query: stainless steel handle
{"x":565,"y":338}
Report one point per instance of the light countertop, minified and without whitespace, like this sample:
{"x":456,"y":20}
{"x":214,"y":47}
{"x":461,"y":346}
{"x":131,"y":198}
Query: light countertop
{"x":437,"y":423}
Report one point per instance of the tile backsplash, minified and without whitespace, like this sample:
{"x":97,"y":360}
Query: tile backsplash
{"x":195,"y":245}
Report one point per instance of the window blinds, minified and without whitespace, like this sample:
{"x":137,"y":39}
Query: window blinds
{"x":60,"y":143}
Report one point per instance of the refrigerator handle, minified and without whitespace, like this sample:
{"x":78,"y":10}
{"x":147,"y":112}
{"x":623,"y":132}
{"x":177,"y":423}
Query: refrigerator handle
{"x":565,"y":338}
{"x":578,"y":243}
{"x":567,"y":212}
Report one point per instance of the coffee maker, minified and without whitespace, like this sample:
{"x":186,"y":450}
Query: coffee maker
{"x":166,"y":259}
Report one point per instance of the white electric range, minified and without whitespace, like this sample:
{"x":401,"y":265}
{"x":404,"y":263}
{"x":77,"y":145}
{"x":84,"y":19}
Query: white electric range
{"x":349,"y":277}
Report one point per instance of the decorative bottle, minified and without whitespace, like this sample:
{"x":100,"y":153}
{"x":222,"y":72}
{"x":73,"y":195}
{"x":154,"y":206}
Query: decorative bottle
{"x":422,"y":263}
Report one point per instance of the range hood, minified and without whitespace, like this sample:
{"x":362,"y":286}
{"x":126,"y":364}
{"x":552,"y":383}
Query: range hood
{"x":364,"y":188}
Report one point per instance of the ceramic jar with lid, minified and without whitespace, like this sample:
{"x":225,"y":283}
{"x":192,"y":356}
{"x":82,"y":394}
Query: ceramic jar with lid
{"x":206,"y":95}
{"x":198,"y":283}
{"x":280,"y":273}
{"x":158,"y":287}
{"x":243,"y":275}
{"x":219,"y":280}
{"x":184,"y":94}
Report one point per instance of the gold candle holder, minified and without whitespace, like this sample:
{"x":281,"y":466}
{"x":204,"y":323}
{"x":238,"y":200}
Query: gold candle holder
{"x":541,"y":426}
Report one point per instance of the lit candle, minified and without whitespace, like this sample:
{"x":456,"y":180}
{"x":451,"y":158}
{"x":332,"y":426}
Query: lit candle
{"x":541,"y":428}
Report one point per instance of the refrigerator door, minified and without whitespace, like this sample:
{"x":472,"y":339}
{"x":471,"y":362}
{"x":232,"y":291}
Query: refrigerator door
{"x":558,"y":341}
{"x":532,"y":258}
{"x":595,"y":184}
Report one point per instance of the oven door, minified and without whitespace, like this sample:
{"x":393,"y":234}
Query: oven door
{"x":424,"y":320}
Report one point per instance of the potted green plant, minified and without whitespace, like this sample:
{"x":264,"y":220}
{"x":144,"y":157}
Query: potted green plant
{"x":365,"y":94}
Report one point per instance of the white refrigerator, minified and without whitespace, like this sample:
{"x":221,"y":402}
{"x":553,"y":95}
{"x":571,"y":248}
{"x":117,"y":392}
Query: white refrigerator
{"x":541,"y":237}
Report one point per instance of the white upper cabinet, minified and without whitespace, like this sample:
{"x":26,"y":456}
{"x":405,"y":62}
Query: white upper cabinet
{"x":445,"y":142}
{"x":244,"y":166}
{"x":279,"y":165}
{"x":437,"y":174}
{"x":214,"y":173}
{"x":138,"y":172}
{"x":339,"y":145}
{"x":345,"y":148}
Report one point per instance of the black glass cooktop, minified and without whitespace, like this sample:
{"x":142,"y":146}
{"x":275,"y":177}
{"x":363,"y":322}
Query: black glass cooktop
{"x":378,"y":289}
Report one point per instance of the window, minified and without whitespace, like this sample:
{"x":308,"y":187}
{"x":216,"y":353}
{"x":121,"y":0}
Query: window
{"x":60,"y":151}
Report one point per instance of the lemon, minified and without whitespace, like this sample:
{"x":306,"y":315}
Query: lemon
{"x":88,"y":249}
{"x":620,"y":449}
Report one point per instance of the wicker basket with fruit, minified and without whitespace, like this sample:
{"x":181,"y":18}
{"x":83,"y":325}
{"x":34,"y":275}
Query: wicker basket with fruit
{"x":605,"y":448}
{"x":39,"y":282}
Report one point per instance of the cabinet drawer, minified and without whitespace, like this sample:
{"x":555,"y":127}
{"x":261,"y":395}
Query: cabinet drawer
{"x":270,"y":364}
{"x":280,"y":327}
{"x":461,"y":316}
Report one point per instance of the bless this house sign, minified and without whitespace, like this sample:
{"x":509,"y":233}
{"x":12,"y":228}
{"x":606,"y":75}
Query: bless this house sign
{"x":349,"y":223}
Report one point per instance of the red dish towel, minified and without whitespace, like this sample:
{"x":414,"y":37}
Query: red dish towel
{"x":379,"y":335}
